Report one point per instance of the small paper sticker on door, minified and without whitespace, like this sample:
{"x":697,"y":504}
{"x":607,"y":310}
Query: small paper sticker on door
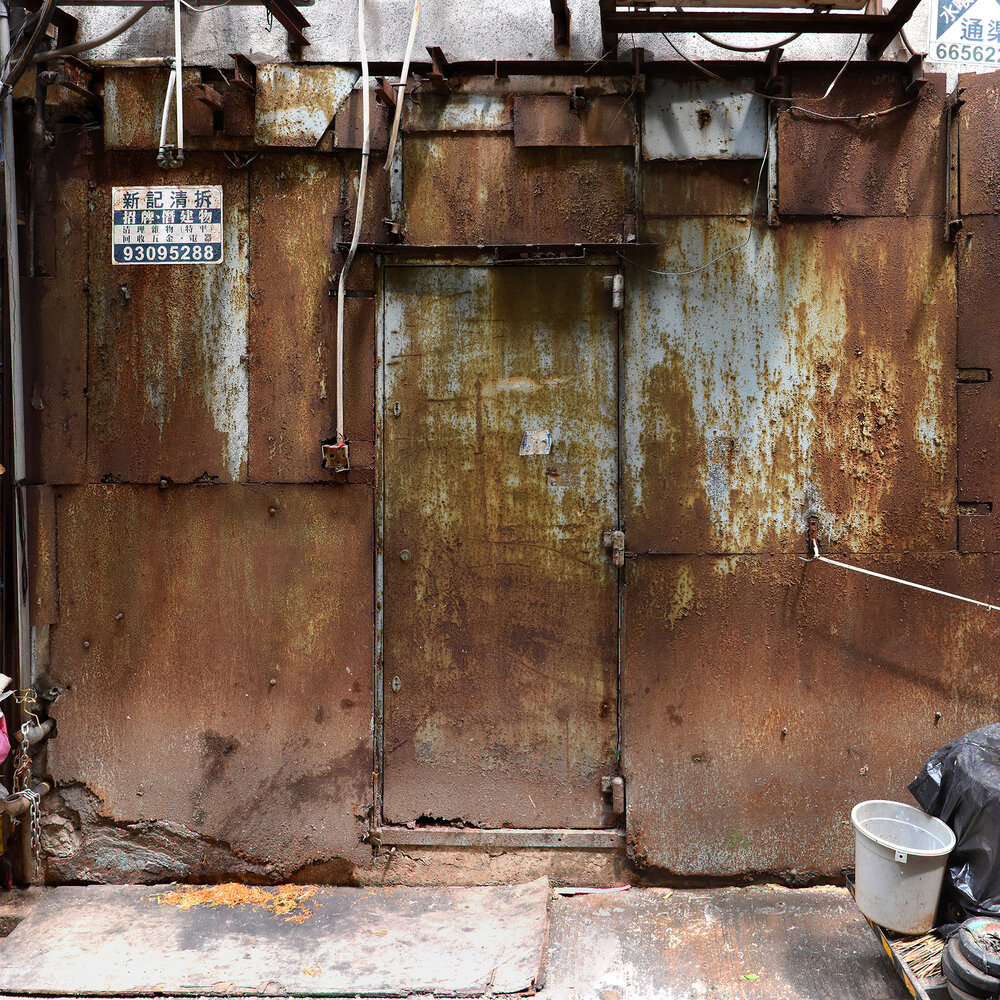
{"x":536,"y":443}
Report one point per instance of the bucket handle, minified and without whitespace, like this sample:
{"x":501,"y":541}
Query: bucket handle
{"x":901,"y":857}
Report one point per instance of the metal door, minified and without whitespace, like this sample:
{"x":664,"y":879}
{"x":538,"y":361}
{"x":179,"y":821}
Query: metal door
{"x":500,"y":464}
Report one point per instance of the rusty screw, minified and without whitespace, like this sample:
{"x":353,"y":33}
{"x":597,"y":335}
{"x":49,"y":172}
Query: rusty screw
{"x":86,"y":644}
{"x":937,"y":718}
{"x":163,"y":482}
{"x":272,"y":511}
{"x":405,"y":555}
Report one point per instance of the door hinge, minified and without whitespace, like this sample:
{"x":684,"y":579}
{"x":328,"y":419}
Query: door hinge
{"x":615,"y":541}
{"x":615,"y":283}
{"x":613,"y":785}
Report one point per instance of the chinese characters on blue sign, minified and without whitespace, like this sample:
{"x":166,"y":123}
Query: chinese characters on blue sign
{"x":166,"y":225}
{"x":965,"y":33}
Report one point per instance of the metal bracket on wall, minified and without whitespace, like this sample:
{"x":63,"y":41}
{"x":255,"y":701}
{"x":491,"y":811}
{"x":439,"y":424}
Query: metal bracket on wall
{"x":453,"y":836}
{"x":953,"y":204}
{"x":613,"y":785}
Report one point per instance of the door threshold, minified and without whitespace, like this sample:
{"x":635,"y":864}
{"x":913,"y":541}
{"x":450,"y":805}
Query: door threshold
{"x":454,"y":836}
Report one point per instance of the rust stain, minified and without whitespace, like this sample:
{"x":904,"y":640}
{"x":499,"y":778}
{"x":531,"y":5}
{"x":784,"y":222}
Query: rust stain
{"x":500,"y":599}
{"x":284,"y":901}
{"x":43,"y":587}
{"x":292,"y":325}
{"x":549,"y":121}
{"x":214,"y":649}
{"x":55,"y":324}
{"x":168,"y":344}
{"x":979,"y":138}
{"x":480,"y":188}
{"x":787,"y":694}
{"x":825,"y":386}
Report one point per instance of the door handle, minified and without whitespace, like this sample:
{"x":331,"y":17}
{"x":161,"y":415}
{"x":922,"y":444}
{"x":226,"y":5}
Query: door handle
{"x":615,"y":541}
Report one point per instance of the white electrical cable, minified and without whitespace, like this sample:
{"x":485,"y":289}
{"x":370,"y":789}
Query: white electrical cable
{"x":72,"y":50}
{"x":163,"y":118}
{"x":342,"y":283}
{"x":895,"y":579}
{"x":179,"y":83}
{"x":402,"y":85}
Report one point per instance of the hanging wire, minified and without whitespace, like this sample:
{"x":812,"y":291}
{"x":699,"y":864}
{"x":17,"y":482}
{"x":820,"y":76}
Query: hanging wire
{"x":747,"y":48}
{"x":756,"y":93}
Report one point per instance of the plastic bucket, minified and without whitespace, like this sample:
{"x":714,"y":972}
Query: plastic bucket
{"x":900,"y":855}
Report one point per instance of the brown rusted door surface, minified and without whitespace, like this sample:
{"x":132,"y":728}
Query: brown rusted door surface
{"x":501,"y":620}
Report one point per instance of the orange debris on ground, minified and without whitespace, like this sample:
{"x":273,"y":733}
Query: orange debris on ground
{"x":283,"y":900}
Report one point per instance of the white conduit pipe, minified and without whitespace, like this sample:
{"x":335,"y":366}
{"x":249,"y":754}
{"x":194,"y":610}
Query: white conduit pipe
{"x":895,"y":579}
{"x":341,"y":441}
{"x":179,"y":82}
{"x":401,"y":91}
{"x":162,"y":158}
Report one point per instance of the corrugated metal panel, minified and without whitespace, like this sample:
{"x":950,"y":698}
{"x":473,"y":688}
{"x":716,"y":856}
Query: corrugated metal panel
{"x":764,"y":697}
{"x":979,"y":138}
{"x":462,"y":189}
{"x":703,"y":120}
{"x":296,"y":104}
{"x":811,"y":370}
{"x":168,"y":343}
{"x":550,"y":120}
{"x":292,"y":333}
{"x":218,"y":668}
{"x":55,"y":328}
{"x":500,"y":599}
{"x":891,"y":165}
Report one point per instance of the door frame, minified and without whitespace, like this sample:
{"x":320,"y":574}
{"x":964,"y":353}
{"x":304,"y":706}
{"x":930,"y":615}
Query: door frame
{"x":587,"y":255}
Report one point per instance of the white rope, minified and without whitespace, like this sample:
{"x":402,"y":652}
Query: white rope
{"x":895,"y":579}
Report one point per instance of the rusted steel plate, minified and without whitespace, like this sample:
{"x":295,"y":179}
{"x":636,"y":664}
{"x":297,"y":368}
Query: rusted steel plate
{"x":810,"y":371}
{"x":703,"y":119}
{"x":375,"y":211}
{"x":549,"y":120}
{"x":891,"y":165}
{"x":978,"y":267}
{"x":293,"y":327}
{"x":979,"y":532}
{"x":979,"y":139}
{"x":133,"y":106}
{"x":225,"y":651}
{"x":479,"y":188}
{"x":296,"y":103}
{"x":979,"y":443}
{"x":704,"y":188}
{"x":457,"y":113}
{"x":54,"y":311}
{"x":348,"y":124}
{"x":500,"y":599}
{"x":43,"y":591}
{"x":765,"y":697}
{"x":741,"y":943}
{"x":168,"y":343}
{"x":126,"y":940}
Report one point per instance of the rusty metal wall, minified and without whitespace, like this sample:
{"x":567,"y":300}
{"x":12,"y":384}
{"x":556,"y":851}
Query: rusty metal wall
{"x":215,"y":644}
{"x":811,"y":370}
{"x":977,"y":353}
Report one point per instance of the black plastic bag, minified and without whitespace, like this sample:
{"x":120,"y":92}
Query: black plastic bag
{"x":960,"y":784}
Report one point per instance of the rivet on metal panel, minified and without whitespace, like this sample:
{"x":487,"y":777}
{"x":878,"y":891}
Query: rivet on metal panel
{"x":405,"y":555}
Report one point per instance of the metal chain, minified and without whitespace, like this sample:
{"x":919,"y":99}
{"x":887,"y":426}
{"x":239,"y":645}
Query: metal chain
{"x":35,"y":826}
{"x":23,"y":761}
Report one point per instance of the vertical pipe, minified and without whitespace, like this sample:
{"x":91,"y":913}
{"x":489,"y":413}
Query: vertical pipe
{"x":179,"y":82}
{"x":16,"y":364}
{"x":17,"y":473}
{"x":342,"y":283}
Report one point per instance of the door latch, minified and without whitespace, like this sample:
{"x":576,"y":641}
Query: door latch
{"x":615,"y":541}
{"x":613,"y":785}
